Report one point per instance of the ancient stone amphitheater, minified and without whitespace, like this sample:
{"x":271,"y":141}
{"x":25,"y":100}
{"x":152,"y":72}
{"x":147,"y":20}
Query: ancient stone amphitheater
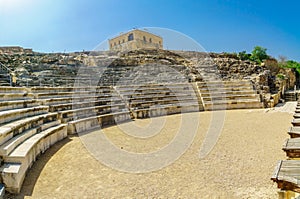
{"x":37,"y":113}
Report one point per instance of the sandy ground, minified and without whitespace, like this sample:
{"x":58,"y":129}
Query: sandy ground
{"x":239,"y":166}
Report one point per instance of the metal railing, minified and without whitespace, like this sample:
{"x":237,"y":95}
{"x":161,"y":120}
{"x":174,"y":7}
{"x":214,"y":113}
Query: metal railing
{"x":7,"y":70}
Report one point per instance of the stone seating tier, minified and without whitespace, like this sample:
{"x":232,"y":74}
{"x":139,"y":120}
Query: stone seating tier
{"x":294,"y":132}
{"x":228,"y":92}
{"x":69,"y":89}
{"x":165,"y":110}
{"x":292,"y":147}
{"x":296,"y":122}
{"x":233,"y":104}
{"x":286,"y":175}
{"x":8,"y":89}
{"x":15,"y":96}
{"x":231,"y":97}
{"x":89,"y":123}
{"x":70,"y":115}
{"x":17,"y":163}
{"x":148,"y":104}
{"x":70,"y":94}
{"x":15,"y":114}
{"x":84,"y":104}
{"x":142,"y":98}
{"x":17,"y":104}
{"x":75,"y":99}
{"x":18,"y":127}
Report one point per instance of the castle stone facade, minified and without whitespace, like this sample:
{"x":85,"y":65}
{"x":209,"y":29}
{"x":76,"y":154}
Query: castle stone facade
{"x":134,"y":40}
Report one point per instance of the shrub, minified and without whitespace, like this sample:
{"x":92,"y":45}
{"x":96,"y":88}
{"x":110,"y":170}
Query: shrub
{"x":259,"y":54}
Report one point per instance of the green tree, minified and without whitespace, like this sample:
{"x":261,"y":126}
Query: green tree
{"x":291,"y":64}
{"x":259,"y":54}
{"x":244,"y":55}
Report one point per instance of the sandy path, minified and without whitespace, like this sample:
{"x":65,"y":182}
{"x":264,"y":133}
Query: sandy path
{"x":240,"y":165}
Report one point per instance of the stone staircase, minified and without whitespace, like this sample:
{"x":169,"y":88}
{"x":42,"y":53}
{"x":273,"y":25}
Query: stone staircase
{"x":290,"y":96}
{"x":4,"y":76}
{"x":220,"y":95}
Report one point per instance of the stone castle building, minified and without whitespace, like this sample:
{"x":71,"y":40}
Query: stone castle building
{"x":135,"y":39}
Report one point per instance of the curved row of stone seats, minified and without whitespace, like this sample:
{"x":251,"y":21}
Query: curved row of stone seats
{"x":63,"y":94}
{"x":160,"y":99}
{"x":150,"y":103}
{"x":15,"y":114}
{"x":89,"y":123}
{"x":74,"y":99}
{"x":79,"y":105}
{"x":9,"y":89}
{"x":159,"y":96}
{"x":17,"y":104}
{"x":103,"y":89}
{"x":22,"y":136}
{"x":14,"y":133}
{"x":228,"y":95}
{"x":15,"y":96}
{"x":20,"y":160}
{"x":84,"y":103}
{"x":169,"y":109}
{"x":74,"y":114}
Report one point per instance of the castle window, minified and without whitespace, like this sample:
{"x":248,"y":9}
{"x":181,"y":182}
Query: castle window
{"x":119,"y":42}
{"x":144,"y":38}
{"x":114,"y":43}
{"x":130,"y":37}
{"x":150,"y":40}
{"x":159,"y":42}
{"x":123,"y":41}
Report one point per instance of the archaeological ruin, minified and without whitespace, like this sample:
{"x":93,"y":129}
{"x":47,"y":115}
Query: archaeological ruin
{"x":47,"y":96}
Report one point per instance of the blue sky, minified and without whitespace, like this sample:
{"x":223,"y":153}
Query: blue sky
{"x":219,"y":26}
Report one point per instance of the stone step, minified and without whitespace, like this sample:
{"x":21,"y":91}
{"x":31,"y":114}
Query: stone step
{"x":225,"y":89}
{"x":15,"y":114}
{"x":286,"y":175}
{"x":233,"y":104}
{"x":85,"y":124}
{"x":163,"y":110}
{"x":224,"y":83}
{"x":84,"y":104}
{"x":296,"y":122}
{"x":229,"y":92}
{"x":294,"y":132}
{"x":10,"y":145}
{"x":20,"y":160}
{"x":15,"y":128}
{"x":70,"y":115}
{"x":15,"y":96}
{"x":161,"y":102}
{"x":75,"y":99}
{"x":230,"y":97}
{"x":9,"y":89}
{"x":292,"y":147}
{"x":69,"y":89}
{"x":17,"y":104}
{"x":160,"y":96}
